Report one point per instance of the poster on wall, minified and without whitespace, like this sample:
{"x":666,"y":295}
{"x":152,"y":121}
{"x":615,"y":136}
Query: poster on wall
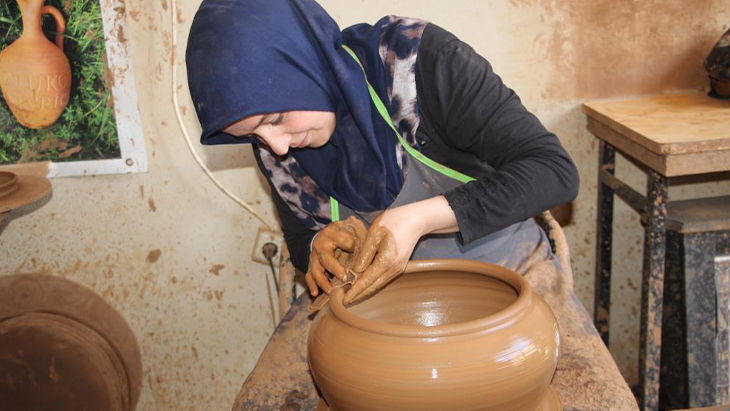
{"x":68,"y":94}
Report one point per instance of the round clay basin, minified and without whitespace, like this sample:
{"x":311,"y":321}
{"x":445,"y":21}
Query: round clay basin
{"x":51,"y":363}
{"x":447,"y":335}
{"x":62,"y":347}
{"x":8,"y":183}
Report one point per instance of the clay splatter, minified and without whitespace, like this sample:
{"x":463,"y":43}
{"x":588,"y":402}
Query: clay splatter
{"x":153,"y":256}
{"x":216,"y":269}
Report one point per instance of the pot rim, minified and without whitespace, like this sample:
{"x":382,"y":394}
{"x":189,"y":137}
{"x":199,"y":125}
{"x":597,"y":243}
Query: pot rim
{"x":494,"y":321}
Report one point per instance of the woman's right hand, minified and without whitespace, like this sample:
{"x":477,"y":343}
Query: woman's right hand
{"x":332,"y":249}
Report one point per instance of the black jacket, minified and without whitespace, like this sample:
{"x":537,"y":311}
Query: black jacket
{"x":471,"y":122}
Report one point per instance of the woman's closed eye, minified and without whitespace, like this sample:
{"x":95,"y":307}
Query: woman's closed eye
{"x":278,"y":120}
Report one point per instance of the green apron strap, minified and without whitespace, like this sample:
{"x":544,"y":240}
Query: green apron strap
{"x":335,"y":207}
{"x":440,"y":168}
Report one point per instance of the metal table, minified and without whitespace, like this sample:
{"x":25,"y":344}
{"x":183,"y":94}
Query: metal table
{"x":666,"y":136}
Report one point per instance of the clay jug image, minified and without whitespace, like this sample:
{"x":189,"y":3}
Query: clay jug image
{"x":35,"y":75}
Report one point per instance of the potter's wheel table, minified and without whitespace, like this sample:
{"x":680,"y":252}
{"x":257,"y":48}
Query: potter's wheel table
{"x":19,"y":190}
{"x":586,"y":378}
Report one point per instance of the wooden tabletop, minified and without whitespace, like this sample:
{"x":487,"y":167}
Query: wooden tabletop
{"x":674,"y":134}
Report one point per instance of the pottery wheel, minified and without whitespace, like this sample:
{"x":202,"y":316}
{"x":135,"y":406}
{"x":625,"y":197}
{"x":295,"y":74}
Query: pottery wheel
{"x":8,"y":183}
{"x":25,"y":190}
{"x":551,"y":402}
{"x":62,"y":347}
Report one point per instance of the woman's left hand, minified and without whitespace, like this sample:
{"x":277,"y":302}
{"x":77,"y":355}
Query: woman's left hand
{"x":391,"y":240}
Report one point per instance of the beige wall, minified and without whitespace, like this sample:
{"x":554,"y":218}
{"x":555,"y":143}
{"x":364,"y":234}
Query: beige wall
{"x":201,"y":332}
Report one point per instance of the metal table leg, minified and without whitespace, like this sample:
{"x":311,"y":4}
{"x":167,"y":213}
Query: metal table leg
{"x":699,"y":278}
{"x":722,"y":339}
{"x":602,"y":300}
{"x":652,"y":287}
{"x":694,"y":343}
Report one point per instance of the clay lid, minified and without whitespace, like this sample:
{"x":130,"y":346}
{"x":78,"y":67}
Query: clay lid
{"x":21,"y":191}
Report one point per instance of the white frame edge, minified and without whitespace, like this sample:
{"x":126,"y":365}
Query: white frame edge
{"x":126,"y":110}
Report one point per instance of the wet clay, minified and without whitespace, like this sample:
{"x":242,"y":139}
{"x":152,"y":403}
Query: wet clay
{"x":447,"y":334}
{"x":8,"y":183}
{"x":374,"y":264}
{"x":368,"y":264}
{"x":333,"y":250}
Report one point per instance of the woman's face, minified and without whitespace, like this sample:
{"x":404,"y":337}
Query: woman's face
{"x":280,"y":131}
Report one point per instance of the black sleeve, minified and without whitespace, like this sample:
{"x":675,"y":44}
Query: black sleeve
{"x":524,"y":169}
{"x":298,"y":237}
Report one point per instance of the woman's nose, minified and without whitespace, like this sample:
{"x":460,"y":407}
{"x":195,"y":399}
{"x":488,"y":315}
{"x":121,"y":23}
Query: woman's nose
{"x":279,"y":143}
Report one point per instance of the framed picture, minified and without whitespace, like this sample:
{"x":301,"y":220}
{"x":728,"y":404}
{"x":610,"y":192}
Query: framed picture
{"x":68,"y":89}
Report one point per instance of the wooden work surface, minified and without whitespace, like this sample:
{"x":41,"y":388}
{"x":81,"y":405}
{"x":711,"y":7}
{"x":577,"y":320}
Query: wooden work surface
{"x":674,"y":134}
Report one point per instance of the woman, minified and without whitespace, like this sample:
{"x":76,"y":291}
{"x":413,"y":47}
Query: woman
{"x":399,"y":124}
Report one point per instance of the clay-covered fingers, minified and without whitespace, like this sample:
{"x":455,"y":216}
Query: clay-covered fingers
{"x":375,"y":242}
{"x":356,"y":228}
{"x":384,"y":267}
{"x":331,"y":252}
{"x":316,"y":277}
{"x":325,"y":245}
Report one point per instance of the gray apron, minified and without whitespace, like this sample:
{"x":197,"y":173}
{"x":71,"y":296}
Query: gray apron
{"x":509,"y":247}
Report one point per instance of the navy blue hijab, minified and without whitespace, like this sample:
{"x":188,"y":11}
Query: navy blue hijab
{"x":248,"y":57}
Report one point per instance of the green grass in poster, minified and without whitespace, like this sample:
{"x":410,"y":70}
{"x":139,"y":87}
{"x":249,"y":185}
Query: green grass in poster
{"x":86,"y":130}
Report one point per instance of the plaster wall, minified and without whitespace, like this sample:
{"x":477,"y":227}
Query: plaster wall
{"x":172,"y":253}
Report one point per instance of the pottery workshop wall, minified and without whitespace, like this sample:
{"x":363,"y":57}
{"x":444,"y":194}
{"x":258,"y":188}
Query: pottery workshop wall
{"x":172,"y":253}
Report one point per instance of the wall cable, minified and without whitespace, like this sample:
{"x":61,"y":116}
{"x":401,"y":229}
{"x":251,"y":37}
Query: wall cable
{"x":176,"y":103}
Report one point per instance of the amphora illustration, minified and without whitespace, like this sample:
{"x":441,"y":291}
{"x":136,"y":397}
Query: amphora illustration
{"x":35,"y":75}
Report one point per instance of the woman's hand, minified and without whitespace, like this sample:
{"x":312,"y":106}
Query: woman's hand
{"x":391,"y":240}
{"x":332,"y":249}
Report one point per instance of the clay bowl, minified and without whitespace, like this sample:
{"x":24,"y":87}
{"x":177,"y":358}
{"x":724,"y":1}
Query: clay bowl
{"x":446,"y":335}
{"x":8,"y":183}
{"x":63,"y":347}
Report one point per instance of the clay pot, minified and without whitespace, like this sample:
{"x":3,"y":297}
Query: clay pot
{"x":35,"y":76}
{"x":447,"y":335}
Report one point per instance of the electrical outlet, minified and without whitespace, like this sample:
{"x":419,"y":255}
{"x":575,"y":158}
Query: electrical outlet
{"x":265,"y":236}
